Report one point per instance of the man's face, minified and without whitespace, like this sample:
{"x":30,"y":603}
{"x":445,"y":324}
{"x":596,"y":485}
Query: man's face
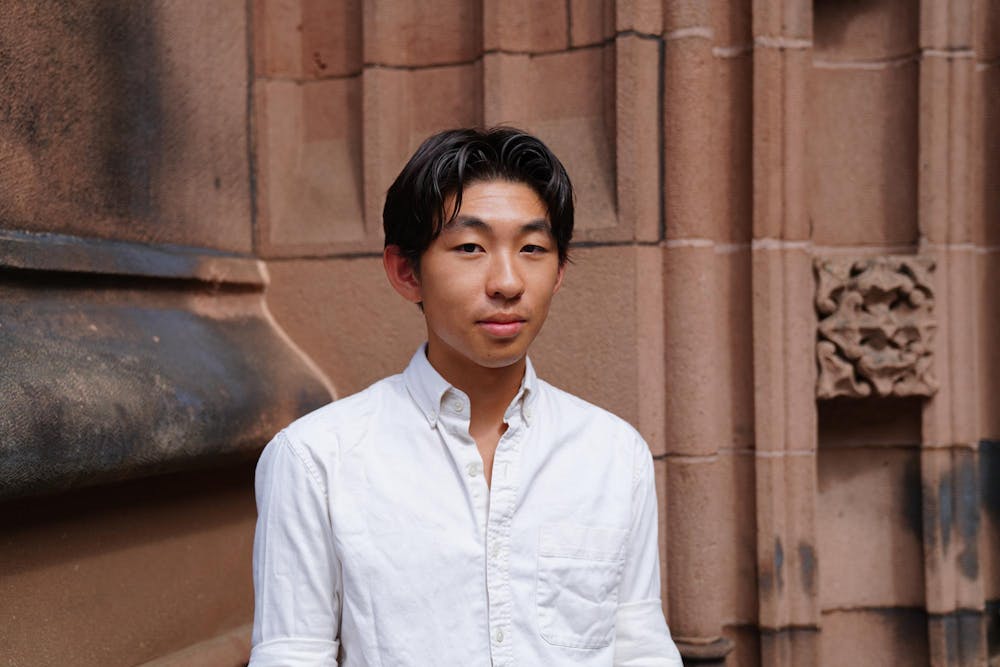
{"x":487,"y":280}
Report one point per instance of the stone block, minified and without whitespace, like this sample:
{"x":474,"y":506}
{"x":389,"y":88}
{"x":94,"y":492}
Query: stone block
{"x":708,"y":184}
{"x":686,"y":15}
{"x":525,"y":26}
{"x":989,"y":351}
{"x":344,"y":314}
{"x":787,"y":576}
{"x":309,"y":166}
{"x":946,"y":26}
{"x":506,"y":98}
{"x":779,"y":148}
{"x":731,"y":211}
{"x":735,"y":527}
{"x":958,"y":638}
{"x":780,"y":18}
{"x":984,"y":206}
{"x":863,"y":196}
{"x":707,"y":349}
{"x":689,"y":178}
{"x":391,"y":138}
{"x":951,"y":520}
{"x":986,"y":38}
{"x":869,"y":523}
{"x":591,"y":21}
{"x":589,"y":345}
{"x":637,"y":136}
{"x":106,"y":552}
{"x":989,"y":472}
{"x":736,"y":384}
{"x":784,"y":354}
{"x":413,"y":34}
{"x":880,"y":30}
{"x":307,"y":38}
{"x":644,"y":16}
{"x":651,"y":363}
{"x":731,"y":24}
{"x":567,"y":100}
{"x":694,"y":503}
{"x":746,"y":645}
{"x":875,"y":637}
{"x":277,"y":28}
{"x":944,"y":136}
{"x":229,"y":649}
{"x":696,"y":418}
{"x":134,"y":128}
{"x":950,"y":417}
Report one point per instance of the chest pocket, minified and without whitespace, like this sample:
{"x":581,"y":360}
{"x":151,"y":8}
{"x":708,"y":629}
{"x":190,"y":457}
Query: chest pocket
{"x":579,"y":569}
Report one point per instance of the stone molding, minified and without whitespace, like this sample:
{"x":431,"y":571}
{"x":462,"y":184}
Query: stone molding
{"x":123,"y":360}
{"x":876,"y":326}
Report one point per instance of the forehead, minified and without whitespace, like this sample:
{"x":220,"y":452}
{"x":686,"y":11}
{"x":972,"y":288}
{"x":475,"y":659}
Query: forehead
{"x":499,"y":200}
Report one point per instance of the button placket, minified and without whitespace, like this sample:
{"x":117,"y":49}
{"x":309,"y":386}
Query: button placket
{"x":503,"y":494}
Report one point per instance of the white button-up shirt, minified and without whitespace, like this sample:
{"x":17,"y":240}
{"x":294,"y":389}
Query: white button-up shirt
{"x":379,"y":541}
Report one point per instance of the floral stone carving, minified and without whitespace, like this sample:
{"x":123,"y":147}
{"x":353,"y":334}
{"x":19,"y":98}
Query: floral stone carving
{"x":876,"y":326}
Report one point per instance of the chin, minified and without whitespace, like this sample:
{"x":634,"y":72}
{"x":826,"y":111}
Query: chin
{"x":502,"y":359}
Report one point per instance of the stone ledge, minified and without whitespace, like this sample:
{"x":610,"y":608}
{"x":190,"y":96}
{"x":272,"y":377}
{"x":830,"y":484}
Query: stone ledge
{"x":73,"y":254}
{"x":108,"y":381}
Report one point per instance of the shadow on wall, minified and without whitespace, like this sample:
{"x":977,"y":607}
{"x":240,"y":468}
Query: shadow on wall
{"x":83,"y":120}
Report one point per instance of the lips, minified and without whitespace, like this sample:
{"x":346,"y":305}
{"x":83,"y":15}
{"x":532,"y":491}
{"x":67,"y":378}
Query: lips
{"x":502,"y":326}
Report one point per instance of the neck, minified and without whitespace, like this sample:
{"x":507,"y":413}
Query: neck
{"x":490,"y":390}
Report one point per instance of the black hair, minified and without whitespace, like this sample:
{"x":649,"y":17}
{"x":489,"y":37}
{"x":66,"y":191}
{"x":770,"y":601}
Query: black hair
{"x":446,"y":162}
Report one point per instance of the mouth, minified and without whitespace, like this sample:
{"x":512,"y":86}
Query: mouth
{"x":502,"y":326}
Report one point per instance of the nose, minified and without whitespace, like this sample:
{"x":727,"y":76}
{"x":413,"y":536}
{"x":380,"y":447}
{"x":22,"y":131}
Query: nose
{"x":504,"y":280}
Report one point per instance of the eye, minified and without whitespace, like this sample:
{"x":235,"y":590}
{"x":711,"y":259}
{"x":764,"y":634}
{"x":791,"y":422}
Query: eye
{"x":534,"y":249}
{"x":468,"y":248}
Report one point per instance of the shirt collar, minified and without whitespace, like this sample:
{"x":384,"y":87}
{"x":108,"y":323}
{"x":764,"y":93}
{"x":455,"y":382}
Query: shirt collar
{"x":428,"y":388}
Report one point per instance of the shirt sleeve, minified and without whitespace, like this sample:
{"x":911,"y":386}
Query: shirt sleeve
{"x":642,"y":636}
{"x":297,"y":590}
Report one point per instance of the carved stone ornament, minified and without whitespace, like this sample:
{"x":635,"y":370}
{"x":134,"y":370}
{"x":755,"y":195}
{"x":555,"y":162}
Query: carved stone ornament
{"x":876,"y":326}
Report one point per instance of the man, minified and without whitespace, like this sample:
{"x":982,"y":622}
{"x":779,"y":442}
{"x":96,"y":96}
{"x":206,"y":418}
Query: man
{"x":463,"y":512}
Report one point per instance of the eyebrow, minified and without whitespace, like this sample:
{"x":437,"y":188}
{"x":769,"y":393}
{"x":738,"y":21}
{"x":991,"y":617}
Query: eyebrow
{"x":467,"y":222}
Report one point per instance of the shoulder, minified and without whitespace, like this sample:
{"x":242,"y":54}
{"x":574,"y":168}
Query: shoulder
{"x":342,"y":424}
{"x":575,"y":413}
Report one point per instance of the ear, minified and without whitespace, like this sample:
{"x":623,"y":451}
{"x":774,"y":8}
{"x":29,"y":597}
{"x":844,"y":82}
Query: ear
{"x":559,"y":277}
{"x":400,"y":272}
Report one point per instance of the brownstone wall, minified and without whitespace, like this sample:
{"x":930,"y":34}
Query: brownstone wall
{"x":728,"y":157}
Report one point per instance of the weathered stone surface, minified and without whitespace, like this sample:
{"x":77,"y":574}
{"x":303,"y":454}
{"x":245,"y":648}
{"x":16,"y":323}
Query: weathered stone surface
{"x":104,"y":384}
{"x":876,"y":327}
{"x":123,"y":573}
{"x":126,"y":120}
{"x":874,"y":637}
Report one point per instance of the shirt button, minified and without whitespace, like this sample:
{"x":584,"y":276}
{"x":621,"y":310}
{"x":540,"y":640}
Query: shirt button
{"x":457,"y":406}
{"x":473,"y":469}
{"x":499,"y":636}
{"x":495,"y":549}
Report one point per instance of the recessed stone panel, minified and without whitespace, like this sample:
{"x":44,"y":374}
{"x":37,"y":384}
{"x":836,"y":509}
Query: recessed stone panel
{"x":309,"y":167}
{"x":862,"y":155}
{"x":869,"y":520}
{"x":878,"y":29}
